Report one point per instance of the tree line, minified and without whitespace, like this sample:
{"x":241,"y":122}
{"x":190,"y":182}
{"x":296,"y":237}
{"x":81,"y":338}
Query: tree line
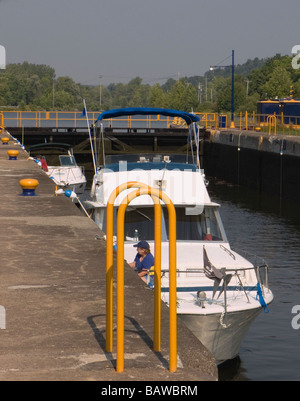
{"x":35,"y":87}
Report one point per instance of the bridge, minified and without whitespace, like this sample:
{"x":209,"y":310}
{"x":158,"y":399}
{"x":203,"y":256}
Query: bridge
{"x":147,"y":134}
{"x":74,"y":121}
{"x":70,"y":120}
{"x":32,"y":127}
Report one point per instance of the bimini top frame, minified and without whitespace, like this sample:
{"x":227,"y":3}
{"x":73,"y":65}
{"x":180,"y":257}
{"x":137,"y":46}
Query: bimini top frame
{"x":131,"y":111}
{"x":190,"y":118}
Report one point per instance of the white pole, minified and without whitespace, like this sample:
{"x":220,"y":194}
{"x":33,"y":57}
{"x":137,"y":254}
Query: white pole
{"x":88,"y":125}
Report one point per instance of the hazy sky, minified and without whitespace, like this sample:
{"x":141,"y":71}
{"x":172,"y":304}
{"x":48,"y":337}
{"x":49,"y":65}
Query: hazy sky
{"x":153,"y":39}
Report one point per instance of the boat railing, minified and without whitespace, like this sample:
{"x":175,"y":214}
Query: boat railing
{"x":261,"y":286}
{"x":261,"y":272}
{"x":261,"y":266}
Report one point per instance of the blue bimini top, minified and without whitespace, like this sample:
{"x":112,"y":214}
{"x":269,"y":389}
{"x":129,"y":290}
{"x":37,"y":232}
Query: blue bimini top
{"x":189,"y":118}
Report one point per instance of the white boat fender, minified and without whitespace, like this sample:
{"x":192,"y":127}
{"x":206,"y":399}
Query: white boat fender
{"x":201,"y":298}
{"x":37,"y":161}
{"x":70,"y":194}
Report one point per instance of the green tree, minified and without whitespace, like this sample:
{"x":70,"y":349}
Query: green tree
{"x":46,"y":101}
{"x":33,"y":89}
{"x":157,"y":97}
{"x":259,"y":77}
{"x":224,"y":101}
{"x":278,"y":83}
{"x":24,"y":84}
{"x":67,"y":85}
{"x":118,"y":94}
{"x":249,"y":104}
{"x":182,"y":96}
{"x":136,"y":93}
{"x":168,"y":85}
{"x":31,"y":86}
{"x":63,"y":100}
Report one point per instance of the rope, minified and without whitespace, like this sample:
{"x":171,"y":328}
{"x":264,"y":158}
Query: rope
{"x":225,"y":326}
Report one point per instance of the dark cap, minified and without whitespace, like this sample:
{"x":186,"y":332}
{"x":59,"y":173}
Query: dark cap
{"x":142,"y":244}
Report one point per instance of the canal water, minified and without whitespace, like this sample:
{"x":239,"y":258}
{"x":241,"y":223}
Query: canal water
{"x":270,"y":228}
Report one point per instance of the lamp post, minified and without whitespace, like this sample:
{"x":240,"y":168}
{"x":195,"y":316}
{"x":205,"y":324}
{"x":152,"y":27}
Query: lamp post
{"x":53,"y":93}
{"x":100,"y":91}
{"x":232,"y":85}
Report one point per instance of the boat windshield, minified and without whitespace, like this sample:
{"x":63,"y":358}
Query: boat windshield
{"x":206,"y":226}
{"x":67,"y":160}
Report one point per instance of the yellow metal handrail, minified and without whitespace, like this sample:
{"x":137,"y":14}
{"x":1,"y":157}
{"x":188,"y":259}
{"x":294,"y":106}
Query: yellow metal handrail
{"x":109,"y":261}
{"x":156,"y":195}
{"x":75,"y":120}
{"x":1,"y":121}
{"x":40,"y":119}
{"x":272,"y":122}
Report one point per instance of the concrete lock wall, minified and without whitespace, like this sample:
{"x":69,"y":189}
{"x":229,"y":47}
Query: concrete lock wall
{"x":270,"y":164}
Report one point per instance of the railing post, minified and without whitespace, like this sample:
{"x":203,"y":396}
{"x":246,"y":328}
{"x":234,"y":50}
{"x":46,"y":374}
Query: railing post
{"x":157,"y":275}
{"x":120,"y":289}
{"x":2,"y":121}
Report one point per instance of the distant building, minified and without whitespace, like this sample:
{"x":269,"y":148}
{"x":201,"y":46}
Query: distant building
{"x":288,"y":109}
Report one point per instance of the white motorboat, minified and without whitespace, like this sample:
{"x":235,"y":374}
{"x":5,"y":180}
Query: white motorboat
{"x":63,"y":169}
{"x":219,"y":291}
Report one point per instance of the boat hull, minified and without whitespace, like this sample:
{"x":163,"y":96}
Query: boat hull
{"x":223,"y":341}
{"x":68,"y":178}
{"x":78,"y":188}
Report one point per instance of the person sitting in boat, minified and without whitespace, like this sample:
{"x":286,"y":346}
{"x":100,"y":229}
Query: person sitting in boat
{"x":43,"y":162}
{"x":144,"y":260}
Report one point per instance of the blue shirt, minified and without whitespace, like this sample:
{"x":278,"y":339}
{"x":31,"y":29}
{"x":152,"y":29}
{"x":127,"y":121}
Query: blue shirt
{"x":146,"y":263}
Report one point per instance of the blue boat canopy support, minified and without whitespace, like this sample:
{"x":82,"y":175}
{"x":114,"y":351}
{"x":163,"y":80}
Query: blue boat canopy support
{"x":191,"y":120}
